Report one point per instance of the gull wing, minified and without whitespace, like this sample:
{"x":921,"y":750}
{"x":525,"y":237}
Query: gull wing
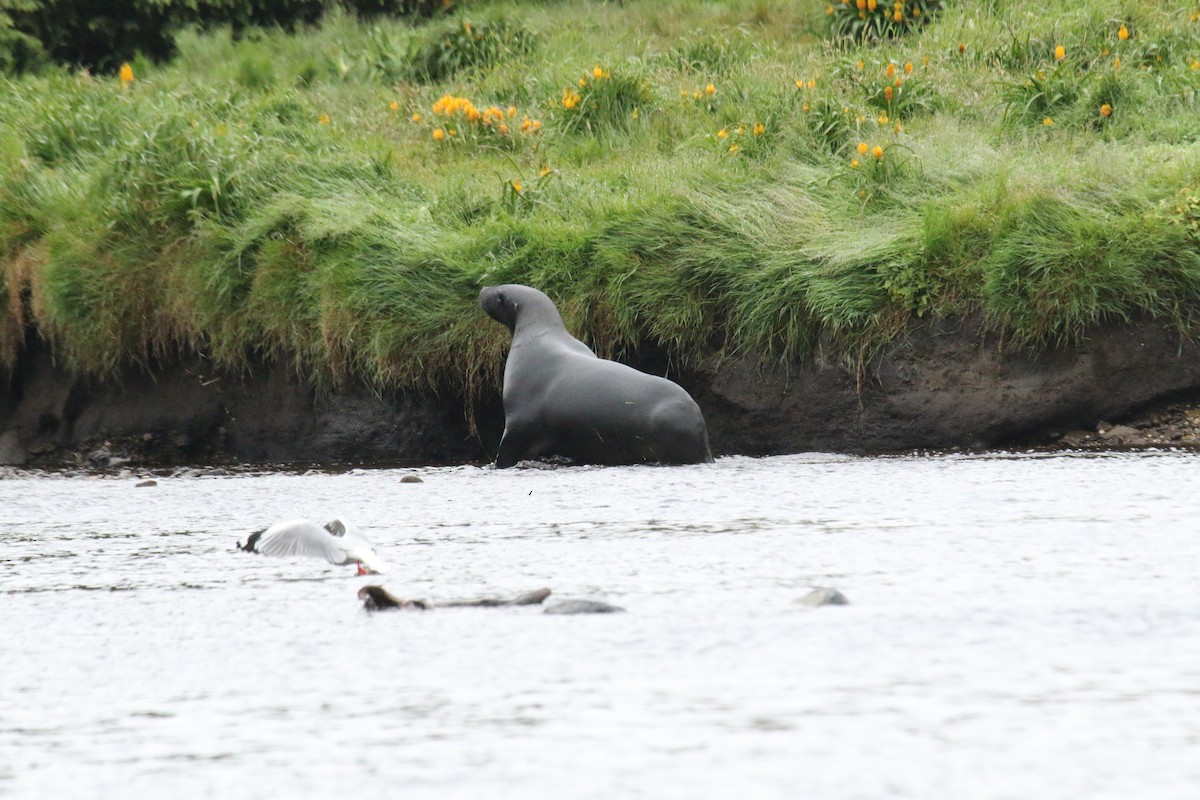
{"x":302,"y":537}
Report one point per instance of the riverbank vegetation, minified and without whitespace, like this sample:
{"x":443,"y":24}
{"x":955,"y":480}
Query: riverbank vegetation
{"x":699,"y":177}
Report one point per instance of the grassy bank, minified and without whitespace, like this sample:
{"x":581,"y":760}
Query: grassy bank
{"x":694,"y":175}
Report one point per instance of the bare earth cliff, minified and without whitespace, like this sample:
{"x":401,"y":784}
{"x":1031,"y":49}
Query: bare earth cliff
{"x":945,"y":385}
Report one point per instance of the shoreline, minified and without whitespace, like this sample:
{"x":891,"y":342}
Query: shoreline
{"x":947,"y":387}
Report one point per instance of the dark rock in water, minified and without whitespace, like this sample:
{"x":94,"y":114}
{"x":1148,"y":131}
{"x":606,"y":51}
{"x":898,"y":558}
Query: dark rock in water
{"x":376,"y":598}
{"x":145,"y":483}
{"x":528,"y":599}
{"x":582,"y":607}
{"x":411,"y":479}
{"x":824,"y":597}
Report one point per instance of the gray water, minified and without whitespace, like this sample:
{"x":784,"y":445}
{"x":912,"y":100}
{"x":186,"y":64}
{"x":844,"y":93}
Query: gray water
{"x":1019,"y":627}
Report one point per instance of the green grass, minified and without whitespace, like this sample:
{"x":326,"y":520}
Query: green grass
{"x":275,"y":197}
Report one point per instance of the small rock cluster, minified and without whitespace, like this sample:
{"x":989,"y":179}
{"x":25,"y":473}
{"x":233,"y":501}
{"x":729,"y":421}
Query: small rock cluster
{"x":1175,"y":425}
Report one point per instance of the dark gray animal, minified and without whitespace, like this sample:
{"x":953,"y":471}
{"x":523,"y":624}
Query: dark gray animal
{"x":561,"y":400}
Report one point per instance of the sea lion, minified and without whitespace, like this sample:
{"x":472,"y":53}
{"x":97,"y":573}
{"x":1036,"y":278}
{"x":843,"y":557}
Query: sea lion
{"x":560,"y":399}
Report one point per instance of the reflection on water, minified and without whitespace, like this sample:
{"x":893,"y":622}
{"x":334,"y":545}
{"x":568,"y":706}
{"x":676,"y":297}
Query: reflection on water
{"x":1024,"y":627}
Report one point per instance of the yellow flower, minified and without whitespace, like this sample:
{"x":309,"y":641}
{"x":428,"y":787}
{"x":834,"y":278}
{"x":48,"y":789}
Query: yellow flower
{"x":872,"y":5}
{"x":733,"y":148}
{"x":570,"y":98}
{"x":883,"y":118}
{"x":962,"y":48}
{"x":863,"y":147}
{"x":512,"y":111}
{"x":804,"y":108}
{"x":925,"y":60}
{"x":860,"y":4}
{"x":394,"y":106}
{"x":1117,"y":62}
{"x":897,"y":127}
{"x":438,"y":134}
{"x":908,"y":68}
{"x":759,"y":128}
{"x":1106,"y":110}
{"x":887,"y":93}
{"x":126,"y":74}
{"x":1060,"y":53}
{"x":799,"y":84}
{"x":582,"y":82}
{"x":877,"y":151}
{"x":854,"y":163}
{"x":710,"y":89}
{"x":517,"y":187}
{"x":898,"y":16}
{"x":722,"y":134}
{"x":323,"y":119}
{"x":741,"y":129}
{"x":503,"y":129}
{"x":545,"y":171}
{"x":812,"y":84}
{"x":1196,"y":65}
{"x":1047,"y":122}
{"x":415,"y":117}
{"x":1123,"y":34}
{"x":828,"y":10}
{"x":859,"y":64}
{"x":891,"y":69}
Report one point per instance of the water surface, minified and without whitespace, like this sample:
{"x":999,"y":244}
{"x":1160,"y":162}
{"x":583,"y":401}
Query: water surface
{"x":1020,"y":627}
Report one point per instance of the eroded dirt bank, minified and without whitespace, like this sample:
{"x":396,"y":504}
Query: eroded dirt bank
{"x":945,"y":385}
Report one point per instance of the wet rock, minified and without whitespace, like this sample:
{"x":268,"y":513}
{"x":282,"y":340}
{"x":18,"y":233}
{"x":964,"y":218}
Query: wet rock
{"x":1120,"y":432}
{"x":145,"y":483}
{"x":411,"y":479}
{"x":582,"y":607}
{"x":824,"y":597}
{"x":1075,"y":438}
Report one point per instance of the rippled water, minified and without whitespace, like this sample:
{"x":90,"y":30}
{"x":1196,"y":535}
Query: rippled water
{"x":1019,"y":627}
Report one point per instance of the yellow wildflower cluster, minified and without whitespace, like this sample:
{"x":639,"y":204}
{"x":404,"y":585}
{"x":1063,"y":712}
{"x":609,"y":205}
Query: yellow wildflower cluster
{"x":896,"y":12}
{"x":459,"y":110}
{"x":734,"y":140}
{"x":696,"y":94}
{"x":571,"y":98}
{"x":126,"y":74}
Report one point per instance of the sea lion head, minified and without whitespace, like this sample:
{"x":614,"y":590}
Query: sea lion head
{"x":501,"y":304}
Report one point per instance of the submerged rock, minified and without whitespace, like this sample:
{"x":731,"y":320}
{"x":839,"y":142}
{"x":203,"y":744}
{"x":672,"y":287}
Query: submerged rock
{"x":582,"y":607}
{"x":824,"y":597}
